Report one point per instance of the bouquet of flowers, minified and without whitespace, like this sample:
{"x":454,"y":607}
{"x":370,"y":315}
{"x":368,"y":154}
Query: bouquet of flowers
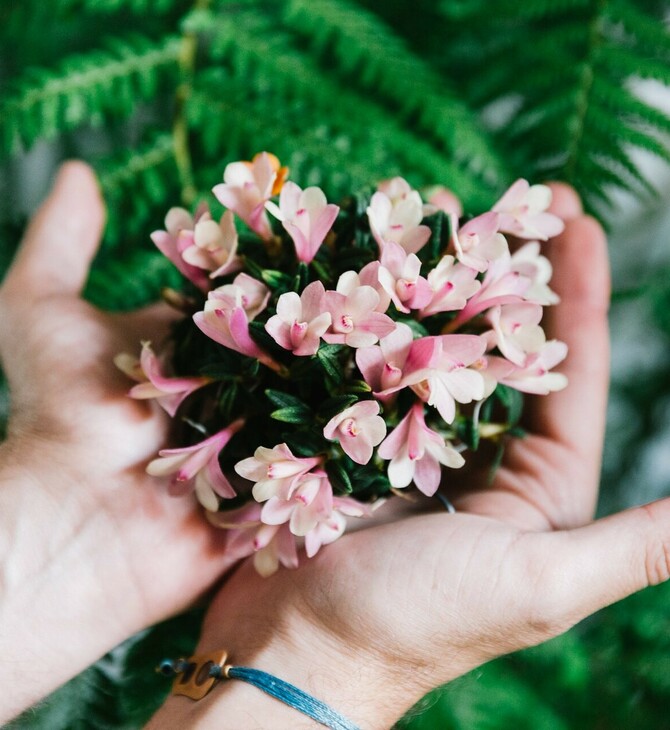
{"x":331,"y":357}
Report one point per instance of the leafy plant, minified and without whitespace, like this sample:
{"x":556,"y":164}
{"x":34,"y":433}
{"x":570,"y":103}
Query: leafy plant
{"x":465,"y":93}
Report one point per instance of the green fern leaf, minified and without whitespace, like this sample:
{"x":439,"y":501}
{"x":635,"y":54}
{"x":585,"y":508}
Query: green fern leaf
{"x":137,"y":185}
{"x":370,"y":55}
{"x":84,"y":89}
{"x":573,"y":108}
{"x":287,"y":89}
{"x":132,"y":281}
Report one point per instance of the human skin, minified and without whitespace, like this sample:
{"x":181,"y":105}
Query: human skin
{"x":386,"y":614}
{"x":93,"y":550}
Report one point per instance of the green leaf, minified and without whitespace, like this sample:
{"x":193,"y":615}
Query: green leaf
{"x":339,"y":477}
{"x":292,"y":414}
{"x":285,"y":400}
{"x":332,"y":406}
{"x":512,"y":400}
{"x":328,"y":356}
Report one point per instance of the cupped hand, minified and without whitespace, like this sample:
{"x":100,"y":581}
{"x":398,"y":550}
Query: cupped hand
{"x":385,"y":614}
{"x":92,"y":548}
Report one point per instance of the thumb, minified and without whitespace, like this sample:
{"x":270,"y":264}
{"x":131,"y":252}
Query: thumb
{"x":611,"y":559}
{"x":62,"y":238}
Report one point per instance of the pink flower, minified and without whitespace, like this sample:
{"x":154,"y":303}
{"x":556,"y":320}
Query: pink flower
{"x":178,"y":237}
{"x":437,"y":371}
{"x":246,"y":292}
{"x":358,"y":428}
{"x":355,"y":321}
{"x":534,"y":376}
{"x":382,"y":365}
{"x":226,"y":316}
{"x":310,"y":501}
{"x":478,"y":242}
{"x":168,"y":392}
{"x":299,"y":322}
{"x":516,"y":330}
{"x":349,"y":281}
{"x":528,"y":262}
{"x":452,"y":284}
{"x":197,"y":467}
{"x":214,"y":246}
{"x":399,"y":274}
{"x":416,"y":453}
{"x":275,"y":471}
{"x":330,"y":527}
{"x":502,"y":284}
{"x":522,"y":212}
{"x":271,"y":545}
{"x":306,"y":216}
{"x":247,"y":186}
{"x":395,"y":213}
{"x":444,"y":200}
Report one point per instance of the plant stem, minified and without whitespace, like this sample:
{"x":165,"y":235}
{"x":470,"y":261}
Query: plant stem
{"x":582,"y":100}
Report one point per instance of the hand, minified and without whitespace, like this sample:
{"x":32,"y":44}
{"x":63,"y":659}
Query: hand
{"x":92,"y":548}
{"x":385,"y":614}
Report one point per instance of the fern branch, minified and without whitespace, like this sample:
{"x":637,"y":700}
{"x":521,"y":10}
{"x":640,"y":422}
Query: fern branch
{"x":258,"y":54}
{"x":136,"y":185}
{"x":368,"y":54}
{"x":582,"y":98}
{"x":575,"y":115}
{"x":84,"y":88}
{"x":132,"y":281}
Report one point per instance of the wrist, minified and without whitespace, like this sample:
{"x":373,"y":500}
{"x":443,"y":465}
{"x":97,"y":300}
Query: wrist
{"x":273,"y":635}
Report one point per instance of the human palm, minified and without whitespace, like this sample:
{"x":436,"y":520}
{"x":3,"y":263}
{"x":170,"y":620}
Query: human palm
{"x":430,"y":597}
{"x":87,"y":443}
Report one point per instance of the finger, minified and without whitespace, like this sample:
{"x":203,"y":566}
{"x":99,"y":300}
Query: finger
{"x":565,"y":203}
{"x":575,"y":417}
{"x":149,"y":323}
{"x":62,"y":238}
{"x":594,"y":566}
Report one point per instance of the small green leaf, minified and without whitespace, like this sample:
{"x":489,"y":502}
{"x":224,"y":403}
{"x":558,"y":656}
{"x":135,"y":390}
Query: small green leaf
{"x":358,"y":386}
{"x":276,"y":279}
{"x":227,"y":400}
{"x":305,"y":443}
{"x":512,"y":400}
{"x":332,"y":406}
{"x":339,"y":478}
{"x":467,"y":432}
{"x":284,"y":400}
{"x":292,"y":414}
{"x":328,"y":357}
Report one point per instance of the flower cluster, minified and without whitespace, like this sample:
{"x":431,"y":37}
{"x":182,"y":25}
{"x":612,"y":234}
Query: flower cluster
{"x":332,"y":357}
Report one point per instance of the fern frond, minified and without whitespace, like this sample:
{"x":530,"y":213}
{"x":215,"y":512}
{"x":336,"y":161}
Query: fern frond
{"x":577,"y":116}
{"x":257,"y":54}
{"x":137,"y":7}
{"x":368,"y":54}
{"x":132,"y":281}
{"x":136,"y":186}
{"x":84,"y":89}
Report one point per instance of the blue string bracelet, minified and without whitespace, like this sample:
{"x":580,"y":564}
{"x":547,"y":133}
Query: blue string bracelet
{"x":196,"y":676}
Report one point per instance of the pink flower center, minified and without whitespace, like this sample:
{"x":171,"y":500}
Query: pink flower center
{"x":345,"y":324}
{"x":405,"y":289}
{"x":391,"y":376}
{"x":297,"y":333}
{"x":349,"y":427}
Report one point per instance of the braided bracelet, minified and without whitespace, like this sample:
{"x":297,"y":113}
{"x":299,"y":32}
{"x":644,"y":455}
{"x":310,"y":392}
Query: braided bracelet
{"x":197,"y":675}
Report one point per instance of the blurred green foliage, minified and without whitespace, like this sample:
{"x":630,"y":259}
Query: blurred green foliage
{"x":160,"y":94}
